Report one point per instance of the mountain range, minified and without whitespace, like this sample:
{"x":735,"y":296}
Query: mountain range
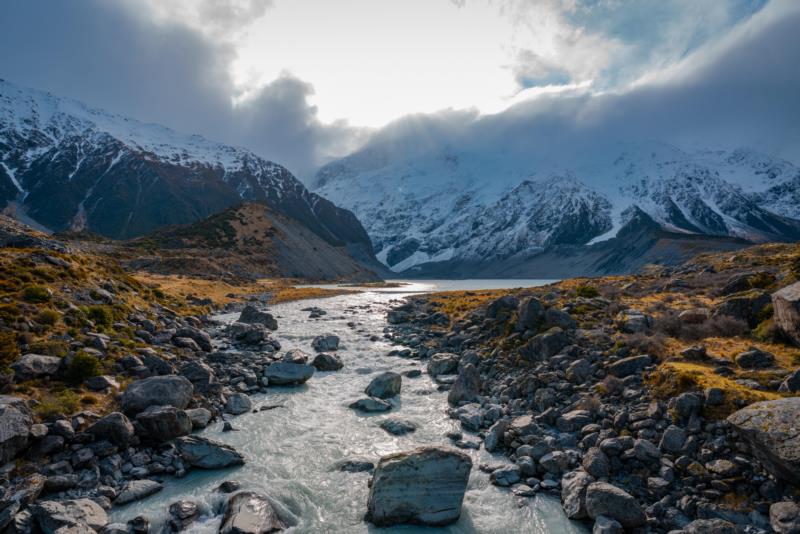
{"x":497,"y":208}
{"x":65,"y":166}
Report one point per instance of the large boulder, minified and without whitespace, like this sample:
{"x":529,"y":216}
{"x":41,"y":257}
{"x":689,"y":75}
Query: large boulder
{"x":770,"y":428}
{"x":755,"y":358}
{"x":169,"y":390}
{"x":467,"y":386}
{"x":784,"y":517}
{"x":370,"y":405}
{"x":746,"y":307}
{"x":238,"y":403}
{"x":786,"y":304}
{"x":32,"y":366}
{"x":573,"y":493}
{"x":546,"y":345}
{"x":114,"y":427}
{"x":15,"y":427}
{"x":252,"y":315}
{"x":385,"y":385}
{"x":325,"y":342}
{"x":207,"y":454}
{"x":633,"y":321}
{"x":630,"y":365}
{"x":162,"y":423}
{"x":200,"y":337}
{"x":136,"y":490}
{"x":530,"y":314}
{"x":202,"y":377}
{"x":443,"y":363}
{"x":287,"y":373}
{"x":327,"y":362}
{"x":425,"y":487}
{"x":608,"y":500}
{"x":248,"y":512}
{"x":502,"y":309}
{"x":79,"y":515}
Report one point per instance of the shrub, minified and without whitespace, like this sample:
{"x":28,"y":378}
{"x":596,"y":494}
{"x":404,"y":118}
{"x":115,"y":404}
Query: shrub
{"x":48,"y":317}
{"x":654,"y":344}
{"x":49,"y":348}
{"x":36,"y":294}
{"x":9,"y":352}
{"x":719,"y":326}
{"x":9,"y":313}
{"x":53,"y":405}
{"x":761,"y":280}
{"x":99,"y":315}
{"x":587,"y":291}
{"x":81,"y":367}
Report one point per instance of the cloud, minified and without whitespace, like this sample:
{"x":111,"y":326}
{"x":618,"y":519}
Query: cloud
{"x":135,"y":62}
{"x":740,"y":91}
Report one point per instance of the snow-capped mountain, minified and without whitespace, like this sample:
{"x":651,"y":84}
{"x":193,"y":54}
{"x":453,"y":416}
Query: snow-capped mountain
{"x":479,"y":204}
{"x":67,"y":166}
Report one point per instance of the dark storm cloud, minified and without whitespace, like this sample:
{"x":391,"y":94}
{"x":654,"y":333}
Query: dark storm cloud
{"x":112,"y":57}
{"x":741,"y":92}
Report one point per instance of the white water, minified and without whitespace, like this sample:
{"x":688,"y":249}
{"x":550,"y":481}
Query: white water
{"x":291,"y":451}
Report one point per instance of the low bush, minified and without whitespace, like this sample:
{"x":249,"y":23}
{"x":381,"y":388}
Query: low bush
{"x":53,"y":405}
{"x":81,"y":367}
{"x":720,"y":326}
{"x":36,"y":294}
{"x":48,"y":317}
{"x":587,"y":291}
{"x":9,"y":352}
{"x":99,"y":315}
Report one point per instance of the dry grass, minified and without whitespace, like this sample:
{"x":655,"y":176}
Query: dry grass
{"x":456,"y":304}
{"x":674,"y":378}
{"x":728,"y":347}
{"x":222,"y":293}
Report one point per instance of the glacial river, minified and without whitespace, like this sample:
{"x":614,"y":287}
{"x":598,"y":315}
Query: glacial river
{"x":291,"y":452}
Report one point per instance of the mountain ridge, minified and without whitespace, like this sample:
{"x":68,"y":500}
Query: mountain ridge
{"x":67,"y":166}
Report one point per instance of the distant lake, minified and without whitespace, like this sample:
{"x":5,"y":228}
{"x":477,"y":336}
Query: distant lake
{"x":428,"y":286}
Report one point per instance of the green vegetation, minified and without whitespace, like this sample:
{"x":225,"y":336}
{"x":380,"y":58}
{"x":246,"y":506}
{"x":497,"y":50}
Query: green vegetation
{"x":100,"y":315}
{"x":48,"y":317}
{"x":9,"y":352}
{"x":81,"y":367}
{"x":36,"y":294}
{"x":587,"y":291}
{"x":52,"y":405}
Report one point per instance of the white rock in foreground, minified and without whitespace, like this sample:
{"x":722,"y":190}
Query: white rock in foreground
{"x":424,"y":487}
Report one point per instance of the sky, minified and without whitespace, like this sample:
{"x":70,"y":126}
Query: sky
{"x":306,"y":81}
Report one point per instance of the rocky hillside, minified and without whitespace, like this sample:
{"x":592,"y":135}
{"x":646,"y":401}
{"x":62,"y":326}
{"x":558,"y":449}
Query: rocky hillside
{"x":67,"y":166}
{"x":490,"y":206}
{"x":244,"y":243}
{"x":665,"y":401}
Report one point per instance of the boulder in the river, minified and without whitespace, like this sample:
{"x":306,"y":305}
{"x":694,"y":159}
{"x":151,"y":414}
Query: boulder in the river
{"x":200,"y":417}
{"x":252,"y":315}
{"x":606,"y":499}
{"x":172,"y":390}
{"x":385,"y":385}
{"x":15,"y":425}
{"x":466,"y":387}
{"x":425,"y":487}
{"x":771,"y":430}
{"x":286,"y":373}
{"x":182,"y":513}
{"x":207,"y":454}
{"x":238,"y":403}
{"x":136,"y":490}
{"x":114,"y":427}
{"x":573,"y":493}
{"x":371,"y":404}
{"x":162,"y":423}
{"x":325,"y":343}
{"x":397,"y":427}
{"x":248,"y":512}
{"x":327,"y":362}
{"x":295,"y":356}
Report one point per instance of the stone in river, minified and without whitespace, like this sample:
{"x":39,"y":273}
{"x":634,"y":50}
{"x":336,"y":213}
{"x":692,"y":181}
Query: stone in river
{"x":425,"y":487}
{"x":384,"y":385}
{"x":207,"y":454}
{"x":136,"y":490}
{"x":398,"y":427}
{"x":371,"y":405}
{"x":286,"y":373}
{"x":248,"y":512}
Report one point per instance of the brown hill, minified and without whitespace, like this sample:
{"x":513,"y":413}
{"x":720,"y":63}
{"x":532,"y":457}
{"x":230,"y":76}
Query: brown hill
{"x":246,"y":242}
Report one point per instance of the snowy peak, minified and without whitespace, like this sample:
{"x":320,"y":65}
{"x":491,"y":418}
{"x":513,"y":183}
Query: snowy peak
{"x":495,"y":202}
{"x":65,"y":165}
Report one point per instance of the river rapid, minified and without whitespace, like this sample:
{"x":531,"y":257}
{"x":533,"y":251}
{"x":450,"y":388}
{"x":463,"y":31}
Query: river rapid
{"x":292,"y":451}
